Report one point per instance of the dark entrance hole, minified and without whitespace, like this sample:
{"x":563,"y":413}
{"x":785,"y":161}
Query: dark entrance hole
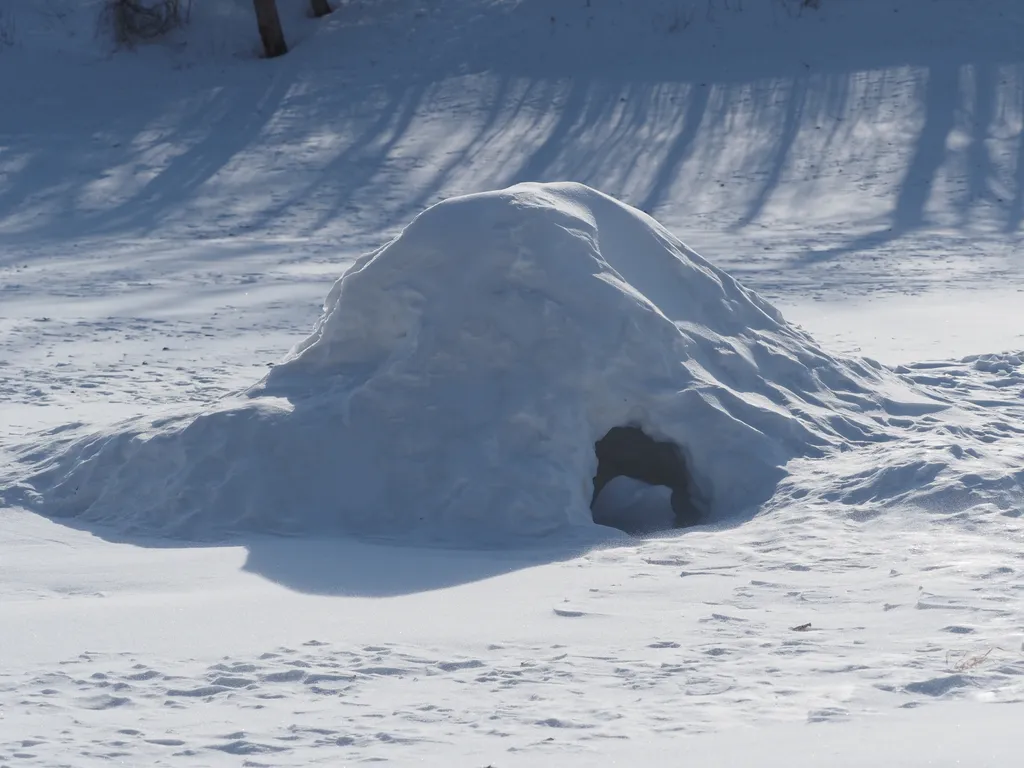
{"x":628,"y":452}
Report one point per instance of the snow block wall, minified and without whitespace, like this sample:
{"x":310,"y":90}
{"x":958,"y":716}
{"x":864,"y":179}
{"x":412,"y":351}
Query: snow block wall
{"x":460,"y":375}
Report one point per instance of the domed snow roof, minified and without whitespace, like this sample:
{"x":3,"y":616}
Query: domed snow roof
{"x":460,"y":376}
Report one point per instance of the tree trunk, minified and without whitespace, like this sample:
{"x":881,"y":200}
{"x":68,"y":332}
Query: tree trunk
{"x":320,"y":7}
{"x":270,"y":28}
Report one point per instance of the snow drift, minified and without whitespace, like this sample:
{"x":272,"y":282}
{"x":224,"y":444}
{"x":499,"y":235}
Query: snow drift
{"x":460,"y":375}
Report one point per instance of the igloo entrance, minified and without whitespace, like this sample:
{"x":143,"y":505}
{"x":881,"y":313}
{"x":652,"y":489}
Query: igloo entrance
{"x":660,"y":496}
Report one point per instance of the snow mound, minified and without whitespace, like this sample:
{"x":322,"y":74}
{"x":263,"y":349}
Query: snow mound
{"x":459,"y":377}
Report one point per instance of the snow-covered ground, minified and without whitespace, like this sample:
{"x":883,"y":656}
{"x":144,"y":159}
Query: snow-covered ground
{"x":172,"y":218}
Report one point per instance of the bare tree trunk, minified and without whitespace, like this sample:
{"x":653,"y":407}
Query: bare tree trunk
{"x":270,"y":28}
{"x":320,"y":7}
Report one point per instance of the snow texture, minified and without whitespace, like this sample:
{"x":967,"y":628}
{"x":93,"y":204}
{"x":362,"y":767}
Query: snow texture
{"x":172,"y":216}
{"x":460,"y":375}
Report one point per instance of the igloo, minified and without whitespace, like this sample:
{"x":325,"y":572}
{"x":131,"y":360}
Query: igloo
{"x":462,"y":378}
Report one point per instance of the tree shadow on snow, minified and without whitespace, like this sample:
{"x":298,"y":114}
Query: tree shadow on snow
{"x":407,"y":106}
{"x":930,"y":154}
